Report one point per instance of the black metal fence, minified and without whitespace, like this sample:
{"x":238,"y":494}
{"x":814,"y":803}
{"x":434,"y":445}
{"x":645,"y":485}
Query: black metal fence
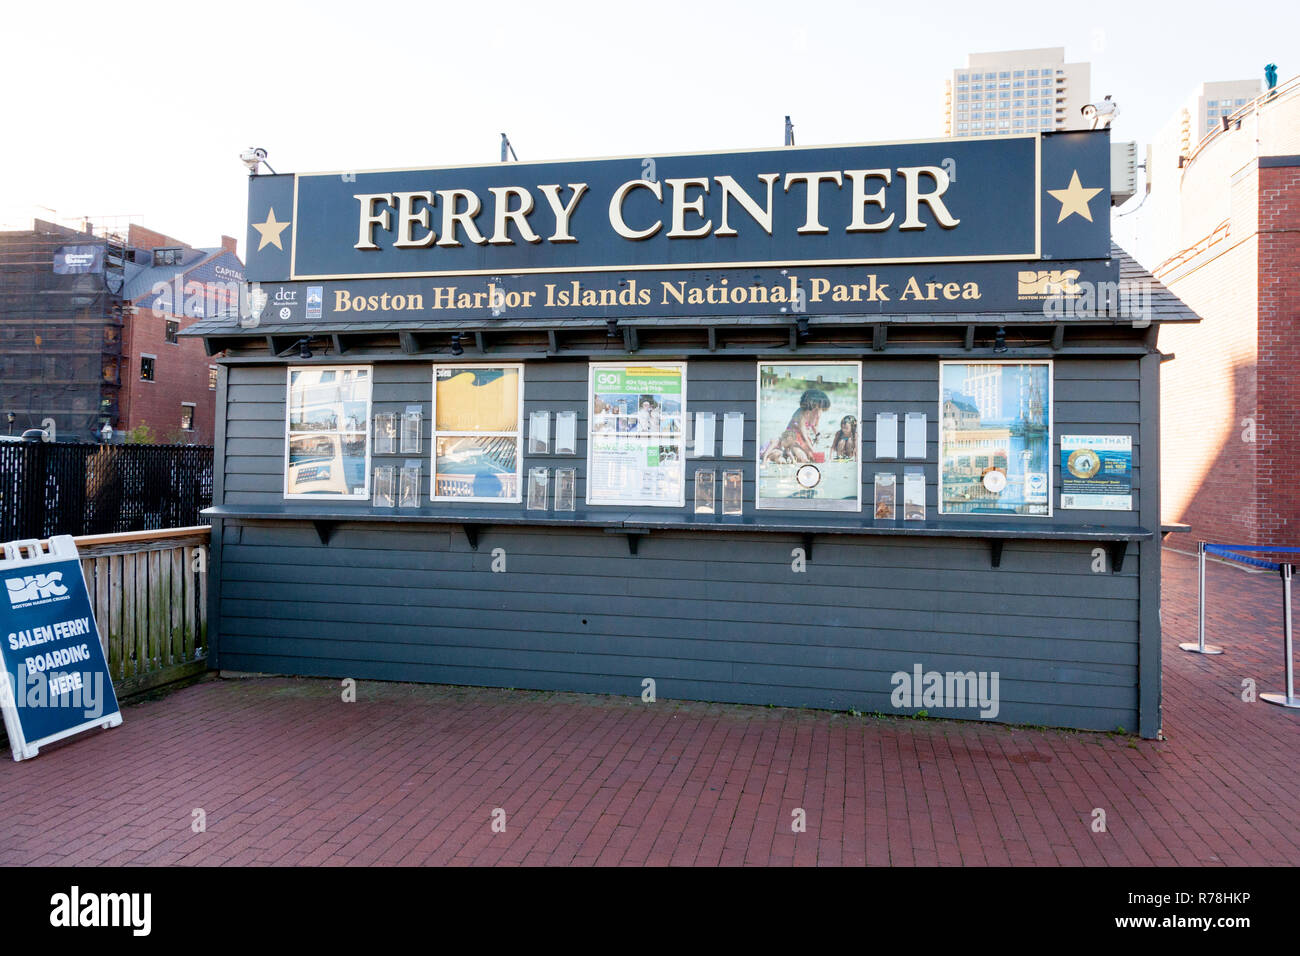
{"x":64,"y":488}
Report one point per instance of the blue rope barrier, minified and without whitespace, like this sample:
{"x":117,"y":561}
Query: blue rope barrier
{"x":1229,"y":551}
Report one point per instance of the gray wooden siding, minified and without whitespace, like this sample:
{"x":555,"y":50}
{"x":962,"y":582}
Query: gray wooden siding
{"x":713,"y":615}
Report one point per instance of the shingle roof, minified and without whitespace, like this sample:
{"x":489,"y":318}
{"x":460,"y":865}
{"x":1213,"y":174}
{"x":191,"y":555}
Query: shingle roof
{"x":143,"y":282}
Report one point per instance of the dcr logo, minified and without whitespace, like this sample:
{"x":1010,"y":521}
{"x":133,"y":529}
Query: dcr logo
{"x":34,"y":586}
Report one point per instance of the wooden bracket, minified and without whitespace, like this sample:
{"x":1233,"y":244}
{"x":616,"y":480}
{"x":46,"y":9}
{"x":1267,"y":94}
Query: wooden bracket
{"x":1117,"y":551}
{"x":969,"y":342}
{"x":338,"y":343}
{"x":995,"y":551}
{"x":552,"y":343}
{"x":634,"y":539}
{"x":629,"y":338}
{"x":713,"y":339}
{"x":1058,"y":336}
{"x":471,"y":535}
{"x":879,"y":336}
{"x":807,"y":547}
{"x":479,"y":341}
{"x":324,"y":531}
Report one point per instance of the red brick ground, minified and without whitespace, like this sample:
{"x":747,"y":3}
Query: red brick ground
{"x":411,"y":774}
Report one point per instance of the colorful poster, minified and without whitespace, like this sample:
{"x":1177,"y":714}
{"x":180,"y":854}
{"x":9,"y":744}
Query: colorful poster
{"x":809,"y":448}
{"x":636,"y":451}
{"x":1097,"y":472}
{"x":995,"y":438}
{"x":477,"y":412}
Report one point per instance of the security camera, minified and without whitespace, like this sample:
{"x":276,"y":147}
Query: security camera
{"x":253,"y":157}
{"x":1101,"y":115}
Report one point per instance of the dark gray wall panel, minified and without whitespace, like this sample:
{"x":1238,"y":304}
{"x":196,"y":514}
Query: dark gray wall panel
{"x":709,"y":615}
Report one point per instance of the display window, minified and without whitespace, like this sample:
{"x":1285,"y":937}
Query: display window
{"x":809,"y":443}
{"x":636,"y":451}
{"x":995,"y":438}
{"x":478,"y":415}
{"x":327,"y":446}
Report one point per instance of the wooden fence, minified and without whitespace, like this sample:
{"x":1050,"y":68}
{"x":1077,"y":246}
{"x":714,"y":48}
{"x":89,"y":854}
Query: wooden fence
{"x":149,"y":591}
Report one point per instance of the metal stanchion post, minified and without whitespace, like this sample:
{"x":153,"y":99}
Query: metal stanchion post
{"x":1200,"y":647}
{"x":1289,"y":700}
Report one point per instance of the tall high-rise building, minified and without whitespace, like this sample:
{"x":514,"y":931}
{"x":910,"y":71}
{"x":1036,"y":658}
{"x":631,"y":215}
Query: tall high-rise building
{"x":1212,"y":101}
{"x":1016,"y":91}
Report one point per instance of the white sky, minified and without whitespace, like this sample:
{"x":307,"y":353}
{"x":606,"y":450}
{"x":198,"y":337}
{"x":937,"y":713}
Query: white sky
{"x":109,"y":114}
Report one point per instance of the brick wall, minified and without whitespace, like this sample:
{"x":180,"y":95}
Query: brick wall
{"x":141,"y":238}
{"x":1208,"y":465}
{"x":180,"y":375}
{"x":1279,"y":379}
{"x":1230,"y":446}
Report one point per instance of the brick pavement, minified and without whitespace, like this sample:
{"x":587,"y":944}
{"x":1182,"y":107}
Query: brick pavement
{"x":410,"y":774}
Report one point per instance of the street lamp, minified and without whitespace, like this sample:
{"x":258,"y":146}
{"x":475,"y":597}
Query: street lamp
{"x":10,"y":419}
{"x":106,"y":433}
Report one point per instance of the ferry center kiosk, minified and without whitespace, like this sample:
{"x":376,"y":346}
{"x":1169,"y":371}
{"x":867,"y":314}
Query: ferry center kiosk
{"x":862,"y":427}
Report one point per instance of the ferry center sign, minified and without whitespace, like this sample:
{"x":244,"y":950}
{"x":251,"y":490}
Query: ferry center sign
{"x":851,"y":211}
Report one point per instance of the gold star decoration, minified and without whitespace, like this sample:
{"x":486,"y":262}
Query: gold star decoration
{"x":1074,"y":199}
{"x":271,"y":230}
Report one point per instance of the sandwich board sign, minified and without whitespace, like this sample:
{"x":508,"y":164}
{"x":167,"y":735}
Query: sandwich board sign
{"x":54,"y":681}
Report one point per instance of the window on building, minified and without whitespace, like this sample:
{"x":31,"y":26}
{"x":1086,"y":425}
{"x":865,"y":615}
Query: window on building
{"x":1004,"y":95}
{"x":1004,"y":75}
{"x":170,"y":330}
{"x":963,"y":77}
{"x":167,"y":257}
{"x":147,"y":367}
{"x":327,"y":446}
{"x":212,"y":377}
{"x":1241,"y":102}
{"x":1212,"y":103}
{"x":962,"y":126}
{"x":478,"y":413}
{"x":1004,"y":408}
{"x":1018,"y":85}
{"x":187,"y":416}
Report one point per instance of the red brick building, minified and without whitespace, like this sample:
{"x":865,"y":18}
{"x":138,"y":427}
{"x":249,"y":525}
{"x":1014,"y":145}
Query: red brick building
{"x":1223,"y":234}
{"x":88,"y":331}
{"x":169,"y":383}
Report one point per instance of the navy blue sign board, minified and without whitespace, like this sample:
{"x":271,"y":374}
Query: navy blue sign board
{"x":1016,"y":199}
{"x":78,"y":260}
{"x":953,"y":288}
{"x":55,"y":680}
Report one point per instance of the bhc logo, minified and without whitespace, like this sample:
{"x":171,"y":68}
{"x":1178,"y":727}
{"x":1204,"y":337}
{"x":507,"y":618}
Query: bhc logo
{"x":34,"y":587}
